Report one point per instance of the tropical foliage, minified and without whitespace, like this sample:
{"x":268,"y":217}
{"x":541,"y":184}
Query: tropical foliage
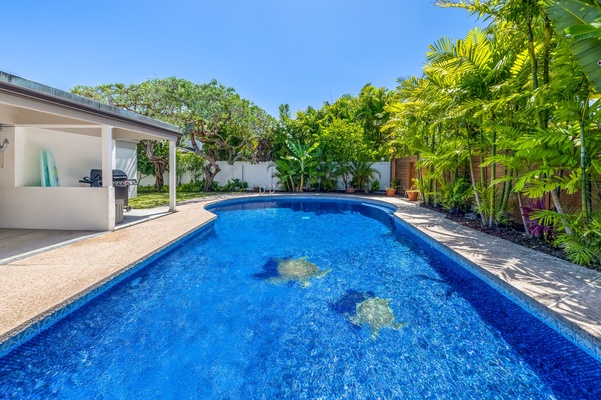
{"x":508,"y":114}
{"x":363,"y":173}
{"x":336,"y":140}
{"x":509,"y":110}
{"x":579,"y":21}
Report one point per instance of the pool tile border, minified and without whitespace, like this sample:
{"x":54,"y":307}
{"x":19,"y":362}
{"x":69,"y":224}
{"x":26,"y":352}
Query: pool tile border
{"x":571,"y":331}
{"x":568,"y":329}
{"x":44,"y":321}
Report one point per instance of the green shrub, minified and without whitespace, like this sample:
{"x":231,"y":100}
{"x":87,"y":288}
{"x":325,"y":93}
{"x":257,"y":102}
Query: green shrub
{"x":147,"y":189}
{"x":235,"y":185}
{"x":325,"y":175}
{"x":583,"y":245}
{"x":190,"y":187}
{"x":453,"y":196}
{"x":362,"y":172}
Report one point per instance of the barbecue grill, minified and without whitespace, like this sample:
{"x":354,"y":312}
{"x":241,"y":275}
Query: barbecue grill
{"x":120,"y":183}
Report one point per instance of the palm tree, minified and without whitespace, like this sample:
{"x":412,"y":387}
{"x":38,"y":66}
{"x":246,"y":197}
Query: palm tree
{"x":471,"y":71}
{"x":529,"y":22}
{"x":515,"y":96}
{"x":363,"y":172}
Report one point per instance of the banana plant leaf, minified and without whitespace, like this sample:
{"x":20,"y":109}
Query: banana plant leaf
{"x":579,"y":21}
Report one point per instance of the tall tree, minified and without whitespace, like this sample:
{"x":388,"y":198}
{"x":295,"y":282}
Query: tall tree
{"x":147,"y":98}
{"x":217,"y":123}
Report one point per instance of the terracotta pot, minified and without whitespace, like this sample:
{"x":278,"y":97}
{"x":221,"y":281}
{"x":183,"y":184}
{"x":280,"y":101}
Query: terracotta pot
{"x":390,"y":192}
{"x":350,"y":189}
{"x":412,"y":195}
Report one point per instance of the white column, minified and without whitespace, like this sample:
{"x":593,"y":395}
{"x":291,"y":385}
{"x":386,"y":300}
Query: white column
{"x":108,"y":148}
{"x":172,"y":182}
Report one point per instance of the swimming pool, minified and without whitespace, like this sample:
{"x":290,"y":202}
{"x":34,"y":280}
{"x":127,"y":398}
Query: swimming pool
{"x":266,"y":302}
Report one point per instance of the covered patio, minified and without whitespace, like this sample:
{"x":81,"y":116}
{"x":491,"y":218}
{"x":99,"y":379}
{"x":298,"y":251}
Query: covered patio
{"x":82,"y":135}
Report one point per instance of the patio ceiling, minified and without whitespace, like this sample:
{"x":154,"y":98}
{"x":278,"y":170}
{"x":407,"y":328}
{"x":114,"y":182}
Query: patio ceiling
{"x":25,"y":103}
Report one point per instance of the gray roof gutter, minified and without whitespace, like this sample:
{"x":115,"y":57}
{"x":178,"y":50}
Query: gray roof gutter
{"x":18,"y":86}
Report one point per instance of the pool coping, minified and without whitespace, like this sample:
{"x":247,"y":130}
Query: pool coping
{"x":435,"y":232}
{"x":42,"y":310}
{"x":572,"y":331}
{"x":39,"y":303}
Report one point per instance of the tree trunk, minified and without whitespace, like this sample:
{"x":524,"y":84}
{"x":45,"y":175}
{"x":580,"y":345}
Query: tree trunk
{"x":548,"y":33}
{"x":473,"y":179}
{"x":160,"y":166}
{"x":159,"y":163}
{"x":526,"y":230}
{"x":210,"y":171}
{"x":540,"y":117}
{"x":420,"y":178}
{"x":560,"y":211}
{"x":483,"y":183}
{"x":493,"y":175}
{"x":506,"y":192}
{"x":434,"y":185}
{"x":585,"y":184}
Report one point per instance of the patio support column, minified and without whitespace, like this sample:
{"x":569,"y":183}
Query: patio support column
{"x":172,"y":181}
{"x":108,"y":148}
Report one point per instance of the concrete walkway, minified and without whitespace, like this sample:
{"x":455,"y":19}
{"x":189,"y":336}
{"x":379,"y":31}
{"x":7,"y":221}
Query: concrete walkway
{"x":20,"y":243}
{"x":31,"y":288}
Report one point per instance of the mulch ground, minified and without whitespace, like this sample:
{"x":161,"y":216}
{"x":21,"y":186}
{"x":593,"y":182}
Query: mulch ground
{"x":513,"y":232}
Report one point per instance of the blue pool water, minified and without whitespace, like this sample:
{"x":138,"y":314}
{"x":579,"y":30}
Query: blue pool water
{"x":214,"y":319}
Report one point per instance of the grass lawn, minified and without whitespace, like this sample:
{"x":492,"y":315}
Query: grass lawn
{"x":150,"y":200}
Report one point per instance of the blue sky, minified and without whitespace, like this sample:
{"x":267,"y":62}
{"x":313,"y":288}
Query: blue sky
{"x":300,"y":52}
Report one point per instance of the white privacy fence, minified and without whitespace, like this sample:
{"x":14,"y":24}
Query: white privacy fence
{"x":262,"y":174}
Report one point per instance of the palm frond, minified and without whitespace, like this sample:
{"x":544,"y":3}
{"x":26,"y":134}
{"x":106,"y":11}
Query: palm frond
{"x":578,"y":22}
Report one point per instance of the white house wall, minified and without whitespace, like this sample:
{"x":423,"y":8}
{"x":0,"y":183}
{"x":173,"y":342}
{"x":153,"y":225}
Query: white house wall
{"x":71,"y":206}
{"x":68,"y":208}
{"x":7,"y":169}
{"x":74,"y":154}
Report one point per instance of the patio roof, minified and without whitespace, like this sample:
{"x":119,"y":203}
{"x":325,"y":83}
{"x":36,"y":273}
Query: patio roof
{"x":26,"y":103}
{"x":27,"y":107}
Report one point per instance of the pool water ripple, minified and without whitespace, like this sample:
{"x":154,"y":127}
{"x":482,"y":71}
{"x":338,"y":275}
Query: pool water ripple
{"x":200,"y":322}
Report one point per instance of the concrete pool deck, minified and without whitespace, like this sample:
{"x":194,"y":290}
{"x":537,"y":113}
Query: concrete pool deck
{"x":34,"y":287}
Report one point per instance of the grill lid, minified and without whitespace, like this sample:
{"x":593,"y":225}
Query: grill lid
{"x":118,"y":175}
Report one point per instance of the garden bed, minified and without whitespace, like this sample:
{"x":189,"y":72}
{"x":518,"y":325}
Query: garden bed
{"x":513,"y":232}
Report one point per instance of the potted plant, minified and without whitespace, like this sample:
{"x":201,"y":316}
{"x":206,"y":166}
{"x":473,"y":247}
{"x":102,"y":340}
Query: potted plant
{"x":413,"y":192}
{"x":391,"y":190}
